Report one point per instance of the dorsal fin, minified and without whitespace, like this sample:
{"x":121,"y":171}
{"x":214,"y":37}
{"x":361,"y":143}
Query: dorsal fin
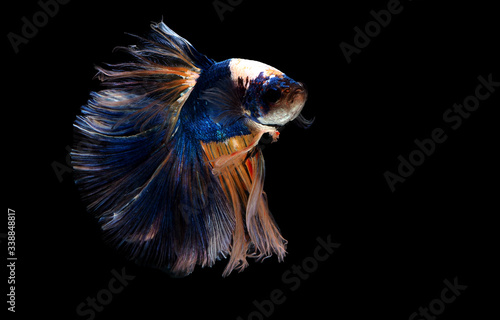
{"x":163,"y":74}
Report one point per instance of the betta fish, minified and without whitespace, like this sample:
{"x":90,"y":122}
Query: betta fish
{"x":167,"y":154}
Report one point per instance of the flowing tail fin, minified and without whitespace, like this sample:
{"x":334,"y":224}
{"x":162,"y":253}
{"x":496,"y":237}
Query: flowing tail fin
{"x":145,"y":180}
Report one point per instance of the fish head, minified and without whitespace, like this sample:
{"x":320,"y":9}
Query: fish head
{"x":271,"y":97}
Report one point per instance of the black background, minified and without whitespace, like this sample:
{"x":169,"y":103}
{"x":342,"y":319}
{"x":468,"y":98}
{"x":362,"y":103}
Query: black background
{"x":396,"y":248}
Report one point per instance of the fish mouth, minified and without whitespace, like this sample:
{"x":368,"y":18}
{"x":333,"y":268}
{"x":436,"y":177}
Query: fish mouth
{"x":297,"y":91}
{"x":288,"y":108}
{"x":297,"y":99}
{"x":295,"y":102}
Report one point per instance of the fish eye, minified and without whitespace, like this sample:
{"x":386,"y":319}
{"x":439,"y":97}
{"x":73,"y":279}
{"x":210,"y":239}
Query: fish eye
{"x":271,"y":95}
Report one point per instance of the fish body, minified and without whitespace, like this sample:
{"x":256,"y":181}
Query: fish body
{"x":167,"y":156}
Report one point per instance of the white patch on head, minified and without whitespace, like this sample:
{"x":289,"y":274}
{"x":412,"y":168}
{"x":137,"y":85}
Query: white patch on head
{"x":242,"y":68}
